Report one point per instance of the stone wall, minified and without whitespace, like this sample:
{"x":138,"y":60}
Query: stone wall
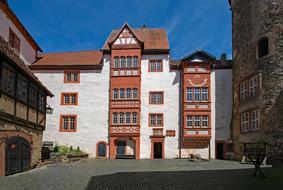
{"x":252,"y":20}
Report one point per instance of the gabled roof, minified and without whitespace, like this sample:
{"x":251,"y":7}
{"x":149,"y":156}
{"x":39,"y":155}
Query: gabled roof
{"x":11,"y":15}
{"x":8,"y":52}
{"x":199,"y":55}
{"x":80,"y":58}
{"x":126,"y":25}
{"x":152,"y":38}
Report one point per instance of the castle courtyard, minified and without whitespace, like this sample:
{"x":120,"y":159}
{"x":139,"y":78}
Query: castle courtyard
{"x":144,"y":174}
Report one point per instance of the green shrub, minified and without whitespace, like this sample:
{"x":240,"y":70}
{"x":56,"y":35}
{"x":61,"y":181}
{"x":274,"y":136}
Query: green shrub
{"x":65,"y":149}
{"x":56,"y":148}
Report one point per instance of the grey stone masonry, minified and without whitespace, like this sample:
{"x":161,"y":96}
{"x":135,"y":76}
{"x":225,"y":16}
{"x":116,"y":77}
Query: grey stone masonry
{"x":252,"y":20}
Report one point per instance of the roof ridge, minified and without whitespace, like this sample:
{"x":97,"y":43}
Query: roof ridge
{"x":63,"y":52}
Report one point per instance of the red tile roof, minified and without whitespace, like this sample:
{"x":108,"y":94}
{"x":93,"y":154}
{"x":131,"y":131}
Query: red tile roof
{"x":153,"y":38}
{"x":88,"y":58}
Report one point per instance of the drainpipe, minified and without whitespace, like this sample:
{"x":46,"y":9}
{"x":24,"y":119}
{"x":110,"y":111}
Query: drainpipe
{"x":180,"y":112}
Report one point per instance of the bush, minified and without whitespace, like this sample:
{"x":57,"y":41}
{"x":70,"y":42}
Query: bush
{"x":56,"y":148}
{"x":65,"y":149}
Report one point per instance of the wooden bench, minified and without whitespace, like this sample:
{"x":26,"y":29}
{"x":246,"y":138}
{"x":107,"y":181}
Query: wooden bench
{"x":124,"y":156}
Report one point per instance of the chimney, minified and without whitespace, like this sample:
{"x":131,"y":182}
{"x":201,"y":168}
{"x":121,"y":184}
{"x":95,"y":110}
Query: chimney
{"x":144,"y":26}
{"x":223,"y":59}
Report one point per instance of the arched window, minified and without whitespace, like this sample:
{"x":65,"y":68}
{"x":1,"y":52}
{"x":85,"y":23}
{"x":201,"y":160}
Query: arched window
{"x":101,"y":149}
{"x":262,"y":48}
{"x":128,"y":117}
{"x":135,"y":63}
{"x":116,"y":62}
{"x":129,"y":62}
{"x":135,"y":93}
{"x":134,"y":118}
{"x":128,"y":93}
{"x":115,"y":118}
{"x":115,"y":93}
{"x":122,"y":119}
{"x":122,"y":62}
{"x":122,"y":93}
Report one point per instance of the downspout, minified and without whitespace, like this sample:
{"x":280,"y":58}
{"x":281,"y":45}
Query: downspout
{"x":180,"y":112}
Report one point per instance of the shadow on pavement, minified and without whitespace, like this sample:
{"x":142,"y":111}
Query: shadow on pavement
{"x":215,"y":180}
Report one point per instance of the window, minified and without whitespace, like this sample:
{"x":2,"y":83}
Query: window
{"x":202,"y":69}
{"x":115,"y":118}
{"x":41,"y":101}
{"x":250,"y":121}
{"x":122,"y":62}
{"x":255,"y":120}
{"x":155,"y":97}
{"x":189,"y":121}
{"x":129,"y":62}
{"x":68,"y":123}
{"x":8,"y":79}
{"x":155,"y":66}
{"x":244,"y":90}
{"x":134,"y":118}
{"x":245,"y":122}
{"x":128,"y":118}
{"x":135,"y":93}
{"x":69,"y":98}
{"x":197,"y":94}
{"x":14,"y":41}
{"x":121,"y":118}
{"x":191,"y":69}
{"x":156,"y":120}
{"x":122,"y":93}
{"x":189,"y":94}
{"x":204,"y":121}
{"x":253,"y":86}
{"x":204,"y":94}
{"x":128,"y":93}
{"x":115,"y":93}
{"x":71,"y":77}
{"x":116,"y":62}
{"x":197,"y":121}
{"x":262,"y":48}
{"x":22,"y":86}
{"x":249,"y":87}
{"x":135,"y":64}
{"x":32,"y":95}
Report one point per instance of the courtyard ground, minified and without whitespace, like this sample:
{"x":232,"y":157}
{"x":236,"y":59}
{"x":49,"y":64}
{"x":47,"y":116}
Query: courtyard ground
{"x":143,"y":174}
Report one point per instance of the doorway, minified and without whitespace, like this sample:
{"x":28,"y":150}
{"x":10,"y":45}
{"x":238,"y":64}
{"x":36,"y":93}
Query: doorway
{"x":157,"y":150}
{"x":219,"y":151}
{"x":121,"y":147}
{"x":17,"y":155}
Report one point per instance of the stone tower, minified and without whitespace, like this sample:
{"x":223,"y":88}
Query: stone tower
{"x":258,"y":75}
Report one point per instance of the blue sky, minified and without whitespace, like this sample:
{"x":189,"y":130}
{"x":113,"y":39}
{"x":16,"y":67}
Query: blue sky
{"x":73,"y":25}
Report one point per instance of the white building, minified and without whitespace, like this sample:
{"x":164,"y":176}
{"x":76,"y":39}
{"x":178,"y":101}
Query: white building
{"x":129,"y":100}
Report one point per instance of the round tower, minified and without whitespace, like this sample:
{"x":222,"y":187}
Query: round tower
{"x":258,"y":75}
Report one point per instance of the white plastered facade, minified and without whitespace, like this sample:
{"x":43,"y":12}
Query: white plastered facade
{"x":168,"y":82}
{"x":27,"y":52}
{"x":91,"y":111}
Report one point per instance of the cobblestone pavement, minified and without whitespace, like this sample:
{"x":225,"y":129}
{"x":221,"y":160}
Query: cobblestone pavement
{"x":141,"y":174}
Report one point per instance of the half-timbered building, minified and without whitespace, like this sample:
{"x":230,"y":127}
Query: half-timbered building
{"x":22,"y":97}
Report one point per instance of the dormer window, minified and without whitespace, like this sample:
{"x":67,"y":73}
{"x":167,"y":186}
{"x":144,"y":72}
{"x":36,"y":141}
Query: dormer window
{"x":262,"y":47}
{"x":14,"y":41}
